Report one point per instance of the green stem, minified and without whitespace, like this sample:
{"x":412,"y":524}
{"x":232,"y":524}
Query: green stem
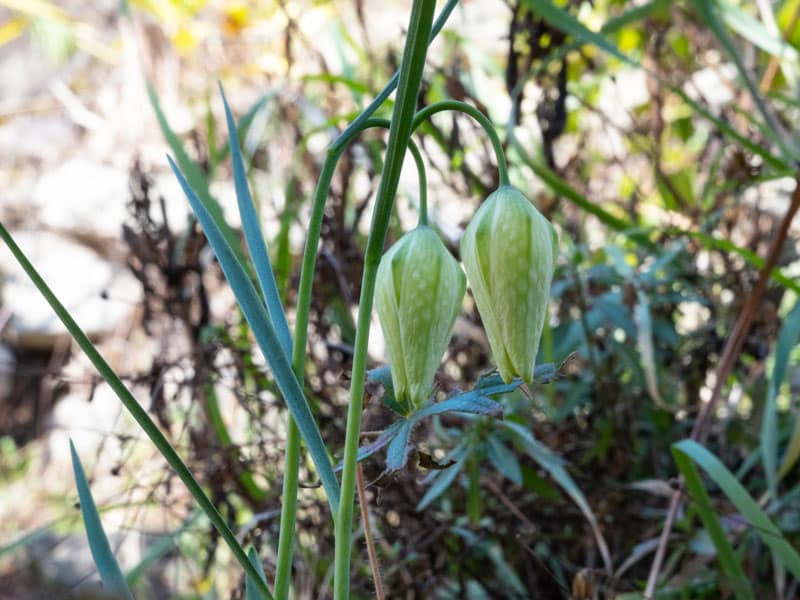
{"x":399,"y":134}
{"x":292,"y":457}
{"x":358,"y":122}
{"x":482,"y":120}
{"x":291,"y":476}
{"x":423,"y":183}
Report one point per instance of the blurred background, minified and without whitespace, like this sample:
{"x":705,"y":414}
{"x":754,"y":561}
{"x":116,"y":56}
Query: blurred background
{"x":654,"y":164}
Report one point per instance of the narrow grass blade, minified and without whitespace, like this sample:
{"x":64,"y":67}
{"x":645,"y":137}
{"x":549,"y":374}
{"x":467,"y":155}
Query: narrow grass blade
{"x":256,"y":314}
{"x":250,"y":586}
{"x":104,"y":560}
{"x":708,"y":12}
{"x":788,"y":338}
{"x":254,"y":238}
{"x":132,"y":406}
{"x":193,"y":172}
{"x":727,"y":559}
{"x":739,"y":497}
{"x":245,"y":122}
{"x":553,"y":464}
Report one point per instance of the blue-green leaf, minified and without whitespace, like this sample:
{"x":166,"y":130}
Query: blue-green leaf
{"x":788,"y":337}
{"x":503,"y":459}
{"x":250,"y":588}
{"x":254,"y":238}
{"x":194,"y":173}
{"x":476,"y":402}
{"x":444,"y":478}
{"x":264,"y":332}
{"x":107,"y":566}
{"x":397,"y":452}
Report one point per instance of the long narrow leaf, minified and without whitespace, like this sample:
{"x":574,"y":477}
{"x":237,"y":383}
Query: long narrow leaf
{"x":788,"y":337}
{"x":254,"y":238}
{"x":743,"y":502}
{"x":250,"y":586}
{"x":193,"y":172}
{"x":256,"y":315}
{"x":132,"y":406}
{"x":727,"y":559}
{"x":104,"y":560}
{"x":553,"y":464}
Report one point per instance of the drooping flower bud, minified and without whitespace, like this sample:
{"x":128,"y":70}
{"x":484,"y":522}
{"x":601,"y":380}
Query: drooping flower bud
{"x":508,"y":250}
{"x":418,"y":294}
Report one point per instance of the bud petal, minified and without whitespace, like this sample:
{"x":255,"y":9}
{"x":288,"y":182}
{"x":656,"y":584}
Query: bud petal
{"x":418,"y":293}
{"x":508,"y":250}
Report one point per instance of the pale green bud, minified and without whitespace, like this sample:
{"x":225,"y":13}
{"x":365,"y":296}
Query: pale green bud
{"x":418,"y":293}
{"x":508,"y":250}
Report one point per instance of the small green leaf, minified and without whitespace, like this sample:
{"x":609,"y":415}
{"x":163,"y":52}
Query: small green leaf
{"x":250,"y":588}
{"x":444,"y":478}
{"x":107,"y":566}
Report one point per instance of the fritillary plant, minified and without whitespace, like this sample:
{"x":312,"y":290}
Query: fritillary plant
{"x":417,"y":287}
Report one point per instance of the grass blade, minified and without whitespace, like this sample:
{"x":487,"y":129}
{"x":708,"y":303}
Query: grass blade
{"x":254,"y":238}
{"x":788,"y":337}
{"x":554,"y":465}
{"x":250,"y":586}
{"x":107,"y":565}
{"x":256,"y":314}
{"x":132,"y":406}
{"x":740,"y":498}
{"x":727,"y":559}
{"x":193,"y":172}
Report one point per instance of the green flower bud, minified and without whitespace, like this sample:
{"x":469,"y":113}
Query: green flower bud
{"x":508,"y":252}
{"x":418,"y":294}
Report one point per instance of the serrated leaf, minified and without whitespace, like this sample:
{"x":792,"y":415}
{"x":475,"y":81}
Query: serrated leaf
{"x":383,"y":376}
{"x":475,"y":402}
{"x":104,"y":560}
{"x":386,"y":436}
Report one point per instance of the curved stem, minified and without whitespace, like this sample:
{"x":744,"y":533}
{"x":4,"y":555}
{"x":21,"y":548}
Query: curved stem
{"x":411,"y":69}
{"x":483,"y":121}
{"x":423,"y":183}
{"x":292,"y":457}
{"x":358,"y":122}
